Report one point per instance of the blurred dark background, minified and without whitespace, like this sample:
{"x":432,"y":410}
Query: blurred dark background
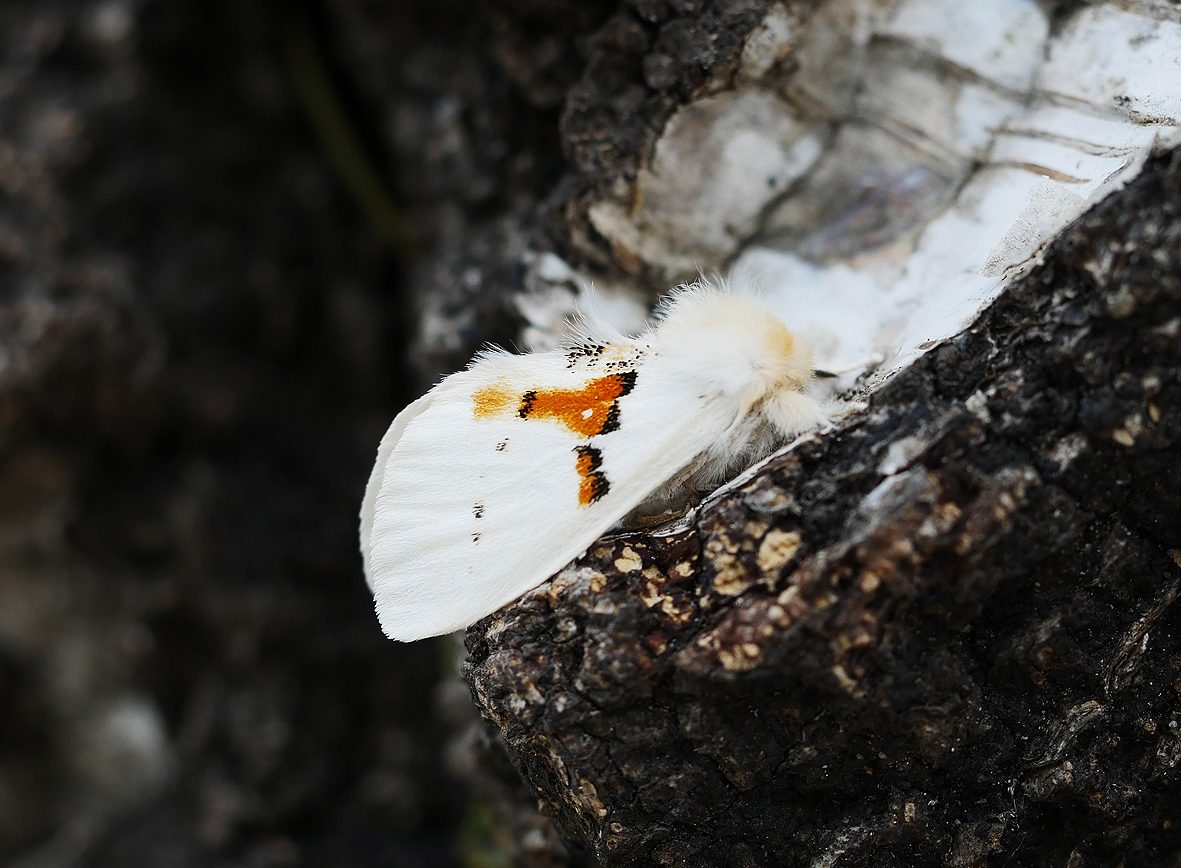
{"x":223,"y":226}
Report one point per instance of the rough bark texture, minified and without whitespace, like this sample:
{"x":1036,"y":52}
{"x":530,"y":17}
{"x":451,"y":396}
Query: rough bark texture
{"x":944,"y":635}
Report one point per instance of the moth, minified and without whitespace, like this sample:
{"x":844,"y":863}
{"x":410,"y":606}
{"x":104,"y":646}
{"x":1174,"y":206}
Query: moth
{"x":506,"y":471}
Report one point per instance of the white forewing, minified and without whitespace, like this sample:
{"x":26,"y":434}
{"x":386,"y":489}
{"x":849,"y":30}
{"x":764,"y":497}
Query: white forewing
{"x":384,"y":450}
{"x":468,"y":509}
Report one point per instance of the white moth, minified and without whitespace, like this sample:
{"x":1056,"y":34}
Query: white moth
{"x":505,"y":472}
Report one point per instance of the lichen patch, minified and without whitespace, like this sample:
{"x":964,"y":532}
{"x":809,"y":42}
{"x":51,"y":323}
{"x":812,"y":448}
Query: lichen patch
{"x":777,"y":550}
{"x":628,"y":561}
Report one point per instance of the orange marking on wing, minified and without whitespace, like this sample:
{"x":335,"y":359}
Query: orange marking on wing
{"x":491,"y":401}
{"x":588,"y":411}
{"x":592,"y":483}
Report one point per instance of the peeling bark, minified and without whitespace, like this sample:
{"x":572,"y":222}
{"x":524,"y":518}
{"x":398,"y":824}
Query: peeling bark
{"x":941,"y":635}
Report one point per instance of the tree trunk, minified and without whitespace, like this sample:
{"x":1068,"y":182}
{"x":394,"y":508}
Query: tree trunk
{"x":941,"y":635}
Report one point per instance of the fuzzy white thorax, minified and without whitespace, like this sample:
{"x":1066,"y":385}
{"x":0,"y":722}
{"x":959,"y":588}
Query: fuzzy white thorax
{"x":742,"y":356}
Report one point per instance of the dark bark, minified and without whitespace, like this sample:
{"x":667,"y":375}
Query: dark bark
{"x":202,"y":343}
{"x":942,"y":635}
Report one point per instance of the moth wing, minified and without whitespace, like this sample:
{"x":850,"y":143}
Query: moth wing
{"x":384,"y":450}
{"x":464,"y":514}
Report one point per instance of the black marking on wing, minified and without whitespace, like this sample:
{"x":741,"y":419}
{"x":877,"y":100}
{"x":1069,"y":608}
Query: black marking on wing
{"x":590,"y":352}
{"x":611,"y":423}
